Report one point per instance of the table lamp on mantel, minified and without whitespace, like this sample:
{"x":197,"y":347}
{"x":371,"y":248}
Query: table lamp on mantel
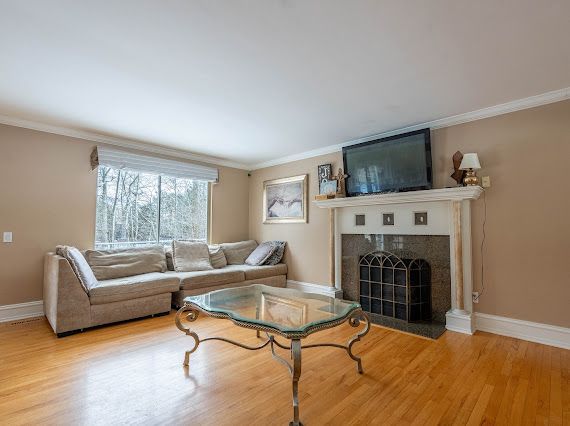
{"x":470,"y":163}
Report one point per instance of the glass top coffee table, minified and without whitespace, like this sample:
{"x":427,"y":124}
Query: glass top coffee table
{"x":283,"y":312}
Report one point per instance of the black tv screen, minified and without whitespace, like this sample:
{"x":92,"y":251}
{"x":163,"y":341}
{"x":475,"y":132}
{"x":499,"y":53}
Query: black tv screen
{"x":393,"y":164}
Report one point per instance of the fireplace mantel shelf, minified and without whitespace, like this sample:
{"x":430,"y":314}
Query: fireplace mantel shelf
{"x":445,"y":194}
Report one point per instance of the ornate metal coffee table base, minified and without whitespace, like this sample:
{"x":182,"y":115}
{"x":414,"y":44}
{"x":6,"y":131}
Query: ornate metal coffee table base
{"x":191,"y":312}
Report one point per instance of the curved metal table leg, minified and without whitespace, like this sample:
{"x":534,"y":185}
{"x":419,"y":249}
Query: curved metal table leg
{"x":191,"y":317}
{"x":296,"y":374}
{"x":354,"y":321}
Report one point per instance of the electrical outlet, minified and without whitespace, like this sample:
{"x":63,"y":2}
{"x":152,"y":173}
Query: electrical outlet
{"x":7,"y":237}
{"x":475,"y":295}
{"x":486,"y":181}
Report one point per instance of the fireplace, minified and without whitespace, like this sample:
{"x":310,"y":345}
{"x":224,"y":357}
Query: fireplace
{"x":392,"y":275}
{"x":395,"y":286}
{"x":435,"y":224}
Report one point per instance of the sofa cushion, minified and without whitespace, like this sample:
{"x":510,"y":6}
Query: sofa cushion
{"x":190,"y":256}
{"x":263,"y":271}
{"x":119,"y":263}
{"x":236,"y":253}
{"x":79,"y":265}
{"x":127,"y":288}
{"x":261,"y":253}
{"x":201,"y":279}
{"x":217,"y":257}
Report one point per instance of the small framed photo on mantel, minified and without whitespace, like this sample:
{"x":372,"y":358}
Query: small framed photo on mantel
{"x":328,"y":187}
{"x":324,"y":172}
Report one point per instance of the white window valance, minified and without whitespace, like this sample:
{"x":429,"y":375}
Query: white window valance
{"x":119,"y":159}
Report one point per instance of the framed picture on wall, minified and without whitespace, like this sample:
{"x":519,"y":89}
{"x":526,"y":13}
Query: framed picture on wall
{"x":285,"y":200}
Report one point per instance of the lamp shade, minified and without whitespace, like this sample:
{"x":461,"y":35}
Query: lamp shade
{"x":470,"y":161}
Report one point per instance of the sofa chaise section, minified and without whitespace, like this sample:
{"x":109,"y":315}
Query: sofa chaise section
{"x":70,"y":307}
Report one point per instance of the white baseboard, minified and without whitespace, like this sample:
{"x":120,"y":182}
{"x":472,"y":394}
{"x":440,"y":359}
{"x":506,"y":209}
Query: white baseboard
{"x":327,"y":290}
{"x":20,"y":311}
{"x":460,"y":322}
{"x":532,"y":331}
{"x":526,"y":330}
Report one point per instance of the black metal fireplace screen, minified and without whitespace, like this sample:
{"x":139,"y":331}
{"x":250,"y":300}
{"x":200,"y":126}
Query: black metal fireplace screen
{"x":397,"y":286}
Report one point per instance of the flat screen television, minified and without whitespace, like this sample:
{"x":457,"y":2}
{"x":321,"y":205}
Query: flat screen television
{"x":392,"y":164}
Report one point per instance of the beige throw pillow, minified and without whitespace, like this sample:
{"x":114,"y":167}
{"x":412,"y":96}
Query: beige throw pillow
{"x":119,"y":263}
{"x":236,"y":253}
{"x":217,"y":257}
{"x":190,"y":256}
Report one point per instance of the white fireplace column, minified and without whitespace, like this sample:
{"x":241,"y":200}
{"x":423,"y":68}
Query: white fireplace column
{"x":449,"y":213}
{"x":460,"y":317}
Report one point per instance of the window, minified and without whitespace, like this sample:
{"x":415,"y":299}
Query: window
{"x":135,"y":208}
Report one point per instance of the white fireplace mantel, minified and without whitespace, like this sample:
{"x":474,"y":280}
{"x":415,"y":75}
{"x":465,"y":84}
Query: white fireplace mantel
{"x":449,"y":213}
{"x":446,"y":194}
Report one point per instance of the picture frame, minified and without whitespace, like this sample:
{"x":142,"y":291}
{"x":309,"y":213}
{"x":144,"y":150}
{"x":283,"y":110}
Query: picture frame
{"x":328,"y":187}
{"x":283,"y":310}
{"x":285,"y":200}
{"x":324,"y":172}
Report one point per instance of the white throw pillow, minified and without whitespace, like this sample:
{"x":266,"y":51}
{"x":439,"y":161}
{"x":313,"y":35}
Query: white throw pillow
{"x":79,"y":265}
{"x":261,"y":253}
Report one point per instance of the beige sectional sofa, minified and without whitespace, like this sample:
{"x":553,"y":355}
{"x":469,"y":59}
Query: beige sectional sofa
{"x":72,"y":306}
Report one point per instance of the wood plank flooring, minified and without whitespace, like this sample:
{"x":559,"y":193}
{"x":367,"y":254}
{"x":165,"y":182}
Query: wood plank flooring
{"x":132,"y":373}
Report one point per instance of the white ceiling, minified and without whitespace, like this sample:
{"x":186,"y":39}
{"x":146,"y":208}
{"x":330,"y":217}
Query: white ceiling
{"x":252,"y":81}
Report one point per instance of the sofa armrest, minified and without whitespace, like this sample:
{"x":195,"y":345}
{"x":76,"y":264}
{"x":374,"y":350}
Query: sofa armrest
{"x":66,"y":304}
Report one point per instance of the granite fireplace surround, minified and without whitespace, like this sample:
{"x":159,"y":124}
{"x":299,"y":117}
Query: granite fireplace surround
{"x":434,"y":249}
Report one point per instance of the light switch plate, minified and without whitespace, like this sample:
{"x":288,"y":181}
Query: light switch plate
{"x":486,"y":181}
{"x":7,"y":237}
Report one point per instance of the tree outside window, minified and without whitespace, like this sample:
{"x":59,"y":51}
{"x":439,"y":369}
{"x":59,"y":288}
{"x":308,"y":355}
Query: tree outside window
{"x":135,"y":209}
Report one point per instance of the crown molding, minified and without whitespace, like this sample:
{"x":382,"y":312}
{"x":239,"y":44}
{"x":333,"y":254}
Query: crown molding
{"x":120,"y":142}
{"x":517,"y":105}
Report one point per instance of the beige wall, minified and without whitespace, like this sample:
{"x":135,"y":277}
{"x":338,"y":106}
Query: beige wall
{"x":528,"y":233}
{"x":47,"y":197}
{"x":307,"y":251}
{"x":230,"y":207}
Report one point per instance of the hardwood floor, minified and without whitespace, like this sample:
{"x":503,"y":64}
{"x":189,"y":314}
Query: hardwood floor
{"x":132,"y":373}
